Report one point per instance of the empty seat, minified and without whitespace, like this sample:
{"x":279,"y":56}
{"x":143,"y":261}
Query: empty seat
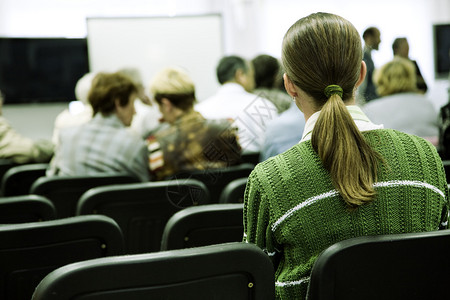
{"x":234,"y":191}
{"x":204,"y":225}
{"x":29,"y":251}
{"x":142,"y":209}
{"x":396,"y":266}
{"x":65,"y":191}
{"x":26,"y":208}
{"x":18,"y":180}
{"x":235,"y":271}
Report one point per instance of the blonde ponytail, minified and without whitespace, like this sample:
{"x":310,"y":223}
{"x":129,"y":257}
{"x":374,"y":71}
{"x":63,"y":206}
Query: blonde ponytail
{"x":344,"y":152}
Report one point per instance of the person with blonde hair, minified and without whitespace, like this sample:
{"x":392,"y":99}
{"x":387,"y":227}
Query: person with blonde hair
{"x":347,"y":177}
{"x":401,"y":106}
{"x":187,"y":141}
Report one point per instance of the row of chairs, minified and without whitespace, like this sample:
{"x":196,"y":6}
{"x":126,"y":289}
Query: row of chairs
{"x":83,"y":257}
{"x":29,"y":251}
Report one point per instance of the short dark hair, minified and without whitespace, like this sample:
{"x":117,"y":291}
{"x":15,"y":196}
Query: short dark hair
{"x":107,"y":88}
{"x":267,"y":69}
{"x":397,"y":43}
{"x":369,"y":32}
{"x":227,"y":67}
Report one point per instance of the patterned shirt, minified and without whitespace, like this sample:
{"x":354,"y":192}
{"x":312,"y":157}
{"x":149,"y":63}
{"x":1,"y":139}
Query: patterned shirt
{"x":192,"y":143}
{"x":103,"y":145}
{"x":293,"y":211}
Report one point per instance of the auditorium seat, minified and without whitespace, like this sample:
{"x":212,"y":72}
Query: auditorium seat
{"x":236,"y":271}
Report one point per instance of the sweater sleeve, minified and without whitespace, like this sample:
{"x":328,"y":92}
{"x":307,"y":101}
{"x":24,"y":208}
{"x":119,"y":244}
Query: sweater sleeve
{"x":257,"y":228}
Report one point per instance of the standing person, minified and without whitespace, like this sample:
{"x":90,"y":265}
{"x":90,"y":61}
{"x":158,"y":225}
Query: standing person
{"x":400,"y":48}
{"x":19,"y":148}
{"x":372,"y":40}
{"x":347,"y":177}
{"x":235,"y":101}
{"x":190,"y":142}
{"x":104,"y":144}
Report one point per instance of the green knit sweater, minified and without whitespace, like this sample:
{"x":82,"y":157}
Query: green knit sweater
{"x":293,"y":211}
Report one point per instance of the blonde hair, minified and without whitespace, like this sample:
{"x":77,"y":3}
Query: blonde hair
{"x":320,"y":50}
{"x":396,"y":76}
{"x":176,"y":85}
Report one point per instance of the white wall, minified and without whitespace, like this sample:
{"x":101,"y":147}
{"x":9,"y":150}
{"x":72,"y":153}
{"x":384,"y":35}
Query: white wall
{"x":250,"y":26}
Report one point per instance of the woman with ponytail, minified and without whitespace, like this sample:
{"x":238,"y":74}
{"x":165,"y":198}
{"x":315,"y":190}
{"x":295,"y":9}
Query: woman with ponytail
{"x":347,"y":177}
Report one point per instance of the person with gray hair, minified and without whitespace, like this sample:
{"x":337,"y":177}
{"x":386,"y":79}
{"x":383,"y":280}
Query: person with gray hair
{"x":79,"y":110}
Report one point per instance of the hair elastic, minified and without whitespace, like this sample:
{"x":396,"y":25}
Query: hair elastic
{"x":333,"y":89}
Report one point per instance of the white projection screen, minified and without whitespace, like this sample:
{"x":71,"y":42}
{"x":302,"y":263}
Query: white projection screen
{"x":194,"y":43}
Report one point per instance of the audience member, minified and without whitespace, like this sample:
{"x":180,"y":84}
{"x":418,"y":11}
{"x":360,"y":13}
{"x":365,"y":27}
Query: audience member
{"x":372,"y":40}
{"x":401,"y":107}
{"x":235,"y":101}
{"x":191,"y":142}
{"x":283,"y":132}
{"x":104,"y":144}
{"x":400,"y":48}
{"x":147,"y":114}
{"x":22,"y":149}
{"x":269,"y":81}
{"x":79,"y":111}
{"x":347,"y":177}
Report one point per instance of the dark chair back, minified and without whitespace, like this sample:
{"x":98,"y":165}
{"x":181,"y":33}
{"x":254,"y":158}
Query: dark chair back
{"x":28,"y":252}
{"x":65,"y":191}
{"x":250,"y":157}
{"x":5,"y":165}
{"x":204,"y":225}
{"x":217,"y":179}
{"x":142,"y":209}
{"x":26,"y":208}
{"x":18,"y":180}
{"x":397,"y":266}
{"x":234,"y":191}
{"x":235,"y":271}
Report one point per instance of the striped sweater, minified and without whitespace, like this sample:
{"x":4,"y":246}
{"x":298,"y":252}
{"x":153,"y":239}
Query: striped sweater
{"x":293,"y":212}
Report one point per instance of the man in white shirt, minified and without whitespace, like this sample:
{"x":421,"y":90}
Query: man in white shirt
{"x":234,"y":100}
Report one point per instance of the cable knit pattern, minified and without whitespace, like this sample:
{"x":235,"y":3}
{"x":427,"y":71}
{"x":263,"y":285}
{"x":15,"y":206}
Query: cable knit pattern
{"x":293,"y":211}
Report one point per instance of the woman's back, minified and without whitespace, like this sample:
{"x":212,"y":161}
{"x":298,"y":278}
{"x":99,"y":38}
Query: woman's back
{"x":304,"y":214}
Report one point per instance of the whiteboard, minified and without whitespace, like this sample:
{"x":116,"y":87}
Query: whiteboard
{"x":150,"y":44}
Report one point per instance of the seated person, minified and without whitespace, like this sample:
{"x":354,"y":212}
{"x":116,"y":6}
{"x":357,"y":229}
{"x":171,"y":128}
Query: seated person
{"x":190,"y":142}
{"x":234,"y":100}
{"x":401,"y":106}
{"x":104,"y":144}
{"x":22,"y":149}
{"x":79,"y":111}
{"x":269,"y":81}
{"x":283,"y":132}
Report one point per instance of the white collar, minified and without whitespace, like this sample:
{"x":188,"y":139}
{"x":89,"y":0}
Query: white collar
{"x":361,"y":120}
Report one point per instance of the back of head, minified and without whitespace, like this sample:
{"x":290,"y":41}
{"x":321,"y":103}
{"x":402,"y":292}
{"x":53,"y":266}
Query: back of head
{"x":400,"y":47}
{"x":174,"y":84}
{"x":267,"y":69}
{"x":396,"y":76}
{"x":370,"y":32}
{"x":107,"y":88}
{"x":228,"y":66}
{"x":321,"y":51}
